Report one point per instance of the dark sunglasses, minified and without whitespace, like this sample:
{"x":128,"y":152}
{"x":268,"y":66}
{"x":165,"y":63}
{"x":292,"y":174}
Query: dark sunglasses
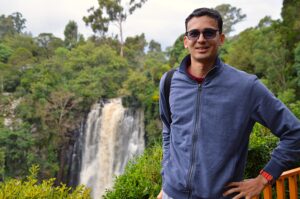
{"x":208,"y":33}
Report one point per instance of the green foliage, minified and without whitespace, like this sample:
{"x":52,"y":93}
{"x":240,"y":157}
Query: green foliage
{"x":22,"y":41}
{"x":5,"y":52}
{"x":19,"y":22}
{"x":21,"y":57}
{"x":6,"y":26}
{"x":290,"y":25}
{"x":135,"y":90}
{"x":141,"y":178}
{"x":177,"y":52}
{"x":262,"y":143}
{"x":261,"y":51}
{"x":297,"y":62}
{"x":16,"y":146}
{"x":231,"y":16}
{"x":2,"y":163}
{"x":134,"y":50}
{"x":48,"y":43}
{"x":71,"y":34}
{"x":30,"y":188}
{"x":110,"y":11}
{"x":289,"y":98}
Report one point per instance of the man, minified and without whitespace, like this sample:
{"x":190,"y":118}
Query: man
{"x":213,"y":109}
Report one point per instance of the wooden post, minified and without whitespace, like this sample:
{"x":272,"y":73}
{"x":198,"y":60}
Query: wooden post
{"x":268,"y":192}
{"x":280,"y":189}
{"x":293,"y":187}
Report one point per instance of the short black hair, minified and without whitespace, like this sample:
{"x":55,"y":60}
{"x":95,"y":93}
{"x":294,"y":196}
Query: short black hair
{"x":199,"y":12}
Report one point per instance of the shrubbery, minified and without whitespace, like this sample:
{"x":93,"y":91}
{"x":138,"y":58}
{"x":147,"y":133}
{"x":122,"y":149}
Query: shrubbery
{"x":262,"y":143}
{"x":141,"y":178}
{"x":30,"y":188}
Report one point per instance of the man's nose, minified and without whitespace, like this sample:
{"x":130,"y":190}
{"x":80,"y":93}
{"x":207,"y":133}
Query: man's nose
{"x":201,"y":38}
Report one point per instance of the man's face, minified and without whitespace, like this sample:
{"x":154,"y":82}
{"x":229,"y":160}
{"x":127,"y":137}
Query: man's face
{"x":203,"y":49}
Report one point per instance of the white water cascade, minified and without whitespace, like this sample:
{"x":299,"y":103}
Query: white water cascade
{"x":112,"y":136}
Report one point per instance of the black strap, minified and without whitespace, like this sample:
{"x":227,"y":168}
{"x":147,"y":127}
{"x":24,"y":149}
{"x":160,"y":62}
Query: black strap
{"x":167,"y":86}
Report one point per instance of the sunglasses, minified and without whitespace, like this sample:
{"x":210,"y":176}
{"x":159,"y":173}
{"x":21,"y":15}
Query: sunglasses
{"x":208,"y":33}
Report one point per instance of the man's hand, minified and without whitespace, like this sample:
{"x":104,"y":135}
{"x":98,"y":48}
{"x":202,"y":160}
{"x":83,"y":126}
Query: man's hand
{"x":160,"y":194}
{"x":248,"y":188}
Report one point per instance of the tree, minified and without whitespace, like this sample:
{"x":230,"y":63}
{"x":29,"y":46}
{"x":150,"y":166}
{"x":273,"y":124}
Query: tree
{"x":21,"y":58}
{"x":5,"y":53}
{"x":154,"y":46}
{"x":134,"y":49}
{"x":11,"y":24}
{"x":177,"y":51}
{"x":48,"y":43}
{"x":241,"y":50}
{"x":297,"y":62}
{"x":6,"y":26}
{"x":231,"y":16}
{"x":22,"y":41}
{"x":291,"y":21}
{"x":71,"y":34}
{"x":111,"y":11}
{"x":17,"y":147}
{"x":59,"y":114}
{"x":19,"y":22}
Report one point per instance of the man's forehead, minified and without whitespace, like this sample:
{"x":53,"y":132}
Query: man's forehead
{"x":202,"y":21}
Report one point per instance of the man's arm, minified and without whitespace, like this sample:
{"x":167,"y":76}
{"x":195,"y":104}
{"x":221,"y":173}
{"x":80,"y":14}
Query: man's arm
{"x":165,"y":121}
{"x":272,"y":113}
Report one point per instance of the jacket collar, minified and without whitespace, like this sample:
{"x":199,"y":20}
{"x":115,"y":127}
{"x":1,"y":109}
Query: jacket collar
{"x":186,"y":62}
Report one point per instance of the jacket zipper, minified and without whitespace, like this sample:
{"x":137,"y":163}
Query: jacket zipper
{"x":194,"y":141}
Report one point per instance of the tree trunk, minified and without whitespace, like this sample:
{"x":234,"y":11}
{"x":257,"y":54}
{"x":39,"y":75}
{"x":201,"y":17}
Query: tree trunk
{"x":62,"y":160}
{"x":121,"y":38}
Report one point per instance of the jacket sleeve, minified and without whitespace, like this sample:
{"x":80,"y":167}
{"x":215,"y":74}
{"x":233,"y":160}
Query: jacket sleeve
{"x":272,"y":113}
{"x":165,"y":121}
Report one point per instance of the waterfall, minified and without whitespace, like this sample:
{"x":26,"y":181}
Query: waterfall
{"x":113,"y":134}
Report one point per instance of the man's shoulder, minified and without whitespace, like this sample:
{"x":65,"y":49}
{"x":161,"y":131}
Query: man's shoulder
{"x":237,"y":73}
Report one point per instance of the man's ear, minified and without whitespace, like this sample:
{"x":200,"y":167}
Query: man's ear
{"x":222,"y":39}
{"x":185,"y":42}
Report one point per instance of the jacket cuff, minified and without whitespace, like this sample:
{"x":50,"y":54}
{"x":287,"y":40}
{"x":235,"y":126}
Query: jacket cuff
{"x":274,"y":169}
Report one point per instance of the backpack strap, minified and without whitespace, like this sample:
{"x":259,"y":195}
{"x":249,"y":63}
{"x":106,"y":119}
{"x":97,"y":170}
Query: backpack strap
{"x":167,"y":86}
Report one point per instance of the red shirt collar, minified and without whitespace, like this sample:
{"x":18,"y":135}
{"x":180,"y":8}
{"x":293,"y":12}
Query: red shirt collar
{"x":197,"y":79}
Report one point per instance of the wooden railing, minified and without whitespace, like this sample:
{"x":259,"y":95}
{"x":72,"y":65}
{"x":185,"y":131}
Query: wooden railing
{"x":291,"y":177}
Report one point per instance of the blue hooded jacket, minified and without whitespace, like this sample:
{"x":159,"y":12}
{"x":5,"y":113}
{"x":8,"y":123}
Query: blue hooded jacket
{"x":206,"y":142}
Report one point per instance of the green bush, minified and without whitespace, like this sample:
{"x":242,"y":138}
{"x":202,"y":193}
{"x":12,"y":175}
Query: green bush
{"x":262,"y":143}
{"x":30,"y":188}
{"x":141,"y":178}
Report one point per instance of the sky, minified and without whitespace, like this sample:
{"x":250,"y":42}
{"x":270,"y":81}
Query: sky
{"x":160,"y":20}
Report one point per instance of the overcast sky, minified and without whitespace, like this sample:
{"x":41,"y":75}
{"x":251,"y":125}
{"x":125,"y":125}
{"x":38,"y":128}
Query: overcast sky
{"x":161,"y":20}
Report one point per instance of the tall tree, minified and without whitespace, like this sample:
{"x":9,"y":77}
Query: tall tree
{"x":19,"y":22}
{"x":291,"y":25}
{"x":154,"y":46}
{"x":231,"y":16}
{"x":11,"y":24}
{"x":6,"y":26}
{"x":48,"y":43}
{"x":112,"y":11}
{"x":71,"y":34}
{"x":134,"y":49}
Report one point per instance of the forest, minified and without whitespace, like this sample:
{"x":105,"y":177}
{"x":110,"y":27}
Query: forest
{"x":48,"y":84}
